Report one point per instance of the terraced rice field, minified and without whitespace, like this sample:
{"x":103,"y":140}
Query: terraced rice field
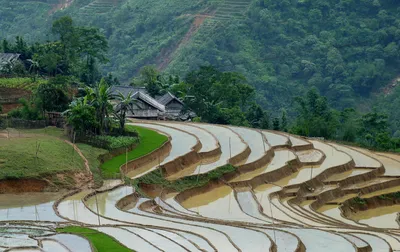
{"x":287,"y":193}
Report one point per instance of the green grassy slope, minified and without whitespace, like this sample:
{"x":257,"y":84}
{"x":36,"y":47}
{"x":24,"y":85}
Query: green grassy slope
{"x":18,"y":157}
{"x":101,"y":242}
{"x":149,"y":141}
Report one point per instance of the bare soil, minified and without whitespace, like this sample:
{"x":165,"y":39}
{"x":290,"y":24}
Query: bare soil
{"x":167,"y":54}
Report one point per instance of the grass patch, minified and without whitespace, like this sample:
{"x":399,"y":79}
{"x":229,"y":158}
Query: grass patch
{"x":149,"y":141}
{"x":21,"y":83}
{"x":92,"y":153}
{"x":115,"y":142}
{"x":359,"y":201}
{"x":156,"y":178}
{"x":54,"y":156}
{"x":51,"y":131}
{"x":101,"y":241}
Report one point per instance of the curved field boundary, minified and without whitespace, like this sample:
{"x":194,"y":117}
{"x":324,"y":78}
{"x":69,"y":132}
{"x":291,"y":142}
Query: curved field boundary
{"x":204,"y":155}
{"x":181,"y":162}
{"x":93,"y":242}
{"x":148,"y":158}
{"x":237,"y":159}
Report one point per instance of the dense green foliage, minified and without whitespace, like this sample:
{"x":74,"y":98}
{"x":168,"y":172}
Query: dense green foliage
{"x":101,"y":241}
{"x":115,"y":142}
{"x":149,"y":141}
{"x":317,"y":119}
{"x":347,"y":49}
{"x":21,"y":83}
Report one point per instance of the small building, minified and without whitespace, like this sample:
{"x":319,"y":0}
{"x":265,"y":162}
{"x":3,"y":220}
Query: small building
{"x":145,"y":106}
{"x":8,"y":61}
{"x":165,"y":107}
{"x":173,"y":106}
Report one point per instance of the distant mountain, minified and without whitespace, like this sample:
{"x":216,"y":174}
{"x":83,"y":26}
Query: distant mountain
{"x":348,"y":49}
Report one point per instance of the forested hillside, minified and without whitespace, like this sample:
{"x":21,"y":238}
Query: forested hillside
{"x":348,"y":49}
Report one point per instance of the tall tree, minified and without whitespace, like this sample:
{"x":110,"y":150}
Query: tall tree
{"x":123,"y":107}
{"x":99,"y":97}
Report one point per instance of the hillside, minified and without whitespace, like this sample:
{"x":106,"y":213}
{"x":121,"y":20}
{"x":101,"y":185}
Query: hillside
{"x":347,"y":49}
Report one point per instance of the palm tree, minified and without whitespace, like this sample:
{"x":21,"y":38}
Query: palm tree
{"x":124,"y":105}
{"x":100,"y":97}
{"x":34,"y":68}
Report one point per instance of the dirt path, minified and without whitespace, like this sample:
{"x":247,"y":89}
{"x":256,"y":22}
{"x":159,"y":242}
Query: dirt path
{"x":63,"y":4}
{"x":167,"y":54}
{"x":81,"y":155}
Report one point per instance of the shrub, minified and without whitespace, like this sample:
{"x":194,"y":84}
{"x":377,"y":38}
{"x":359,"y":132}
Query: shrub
{"x":115,"y":142}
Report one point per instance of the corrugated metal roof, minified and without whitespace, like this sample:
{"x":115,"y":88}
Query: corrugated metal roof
{"x":138,"y":93}
{"x":8,"y":58}
{"x":167,"y":98}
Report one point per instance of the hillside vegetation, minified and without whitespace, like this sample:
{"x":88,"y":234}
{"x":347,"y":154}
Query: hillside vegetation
{"x":348,"y":49}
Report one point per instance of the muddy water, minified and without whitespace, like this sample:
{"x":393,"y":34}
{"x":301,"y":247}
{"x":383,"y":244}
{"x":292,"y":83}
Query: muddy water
{"x":130,"y":240}
{"x":231,"y":145}
{"x":376,"y":243}
{"x":306,"y":209}
{"x":278,"y":161}
{"x":345,"y":197}
{"x":284,"y":241}
{"x":392,"y":167}
{"x":172,"y":205}
{"x":382,"y":217}
{"x":299,"y":215}
{"x":250,"y":206}
{"x":208,"y":141}
{"x":360,"y":159}
{"x":296,"y":141}
{"x":381,"y":238}
{"x":51,"y":246}
{"x":28,"y":206}
{"x":355,"y":240}
{"x":256,"y":142}
{"x":178,"y":239}
{"x":111,"y":198}
{"x":156,"y":239}
{"x":281,"y":213}
{"x":333,"y":158}
{"x":73,"y":242}
{"x":220,"y":203}
{"x":178,"y":137}
{"x":16,"y":240}
{"x":381,"y":192}
{"x":253,"y":240}
{"x":263,"y":193}
{"x":309,"y":156}
{"x":325,"y":242}
{"x":74,"y":209}
{"x":199,"y":241}
{"x":370,"y":182}
{"x":347,"y":174}
{"x":243,"y":238}
{"x":275,"y":139}
{"x":322,"y":189}
{"x":333,"y":211}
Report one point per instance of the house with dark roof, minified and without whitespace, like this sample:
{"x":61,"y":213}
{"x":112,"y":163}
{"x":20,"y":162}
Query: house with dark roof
{"x":166,"y":107}
{"x":173,"y":105}
{"x":145,"y":107}
{"x":8,"y":61}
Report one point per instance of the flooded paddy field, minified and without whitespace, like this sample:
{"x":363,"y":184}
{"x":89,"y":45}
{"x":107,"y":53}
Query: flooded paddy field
{"x":295,"y":202}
